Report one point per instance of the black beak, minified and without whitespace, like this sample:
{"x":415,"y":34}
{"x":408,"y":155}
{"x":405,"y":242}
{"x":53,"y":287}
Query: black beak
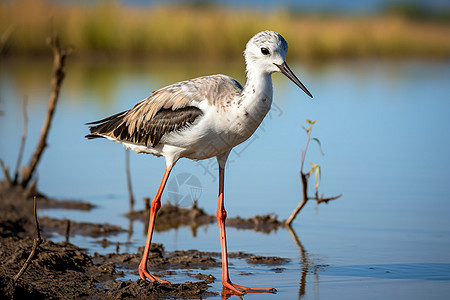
{"x":289,"y":74}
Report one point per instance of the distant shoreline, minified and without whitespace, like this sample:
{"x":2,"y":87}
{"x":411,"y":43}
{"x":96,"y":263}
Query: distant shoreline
{"x":113,"y":29}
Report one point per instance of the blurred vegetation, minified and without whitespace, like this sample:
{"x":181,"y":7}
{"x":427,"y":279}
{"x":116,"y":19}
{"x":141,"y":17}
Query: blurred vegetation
{"x":111,"y":28}
{"x":417,"y":11}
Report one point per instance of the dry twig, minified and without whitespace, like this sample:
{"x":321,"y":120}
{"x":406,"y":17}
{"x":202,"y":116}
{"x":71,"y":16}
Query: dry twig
{"x":68,"y":231}
{"x":5,"y":172}
{"x":5,"y":38}
{"x":37,"y":241}
{"x":304,"y":199}
{"x":322,"y":199}
{"x":127,"y":171}
{"x":59,"y":57}
{"x":22,"y":142}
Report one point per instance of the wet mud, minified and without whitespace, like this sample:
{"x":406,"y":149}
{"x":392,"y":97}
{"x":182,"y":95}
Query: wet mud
{"x":265,"y":223}
{"x":171,"y":216}
{"x":65,"y":271}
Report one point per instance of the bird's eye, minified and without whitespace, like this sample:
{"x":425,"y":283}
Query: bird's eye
{"x":265,"y":51}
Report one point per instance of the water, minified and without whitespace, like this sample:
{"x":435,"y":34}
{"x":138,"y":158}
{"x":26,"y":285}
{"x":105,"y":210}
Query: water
{"x":383,"y":126}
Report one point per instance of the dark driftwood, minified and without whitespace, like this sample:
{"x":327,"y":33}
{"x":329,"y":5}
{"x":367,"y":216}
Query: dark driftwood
{"x":59,"y":57}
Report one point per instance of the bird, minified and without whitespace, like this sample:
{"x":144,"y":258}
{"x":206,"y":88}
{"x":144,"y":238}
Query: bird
{"x":202,"y":118}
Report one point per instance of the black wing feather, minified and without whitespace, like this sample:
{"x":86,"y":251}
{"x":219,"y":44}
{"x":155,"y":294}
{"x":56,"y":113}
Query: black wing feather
{"x":150,"y":132}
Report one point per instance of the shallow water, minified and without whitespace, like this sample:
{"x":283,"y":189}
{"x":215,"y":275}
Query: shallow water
{"x":383,"y":126}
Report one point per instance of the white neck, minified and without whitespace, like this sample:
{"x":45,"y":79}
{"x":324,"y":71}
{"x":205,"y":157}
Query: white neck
{"x":258,"y":91}
{"x":255,"y":100}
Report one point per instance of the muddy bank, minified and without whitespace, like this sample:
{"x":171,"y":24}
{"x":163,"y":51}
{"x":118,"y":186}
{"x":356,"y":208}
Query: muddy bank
{"x":265,"y":223}
{"x":172,"y":216}
{"x":63,"y":270}
{"x":16,"y":215}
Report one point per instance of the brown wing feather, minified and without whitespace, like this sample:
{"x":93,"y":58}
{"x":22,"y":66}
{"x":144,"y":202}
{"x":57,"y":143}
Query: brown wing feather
{"x":168,"y":109}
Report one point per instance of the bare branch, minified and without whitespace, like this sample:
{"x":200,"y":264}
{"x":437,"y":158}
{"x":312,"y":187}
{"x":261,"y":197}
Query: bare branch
{"x":308,"y":133}
{"x":27,"y":262}
{"x":295,"y":212}
{"x":38,"y":230}
{"x":22,"y":142}
{"x":322,"y":199}
{"x":5,"y":172}
{"x":127,"y":171}
{"x":59,"y":57}
{"x":37,"y":241}
{"x":68,"y":231}
{"x":4,"y":38}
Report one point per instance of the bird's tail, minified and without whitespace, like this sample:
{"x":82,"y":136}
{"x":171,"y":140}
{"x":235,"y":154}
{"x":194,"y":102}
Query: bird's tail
{"x":105,"y":126}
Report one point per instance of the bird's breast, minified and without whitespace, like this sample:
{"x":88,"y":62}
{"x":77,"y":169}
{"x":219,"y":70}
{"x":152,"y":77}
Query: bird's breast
{"x":219,"y":130}
{"x":239,"y":123}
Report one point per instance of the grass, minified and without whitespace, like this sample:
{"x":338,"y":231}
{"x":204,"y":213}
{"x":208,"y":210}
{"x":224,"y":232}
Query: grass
{"x":188,"y":31}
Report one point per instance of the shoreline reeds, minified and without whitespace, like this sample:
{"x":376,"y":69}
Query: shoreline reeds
{"x":115,"y":29}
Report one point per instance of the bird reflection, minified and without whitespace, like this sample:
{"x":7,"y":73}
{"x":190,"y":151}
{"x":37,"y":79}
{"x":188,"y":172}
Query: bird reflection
{"x":227,"y":293}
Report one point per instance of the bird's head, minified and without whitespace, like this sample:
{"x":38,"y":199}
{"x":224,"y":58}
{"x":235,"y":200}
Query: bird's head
{"x":266,"y":51}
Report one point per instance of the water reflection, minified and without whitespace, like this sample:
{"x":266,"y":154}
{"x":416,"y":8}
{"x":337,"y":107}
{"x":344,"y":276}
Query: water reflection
{"x":423,"y":271}
{"x":227,"y":294}
{"x":307,"y":264}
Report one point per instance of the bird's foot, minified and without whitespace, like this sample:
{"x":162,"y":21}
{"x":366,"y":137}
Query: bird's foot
{"x":240,"y":290}
{"x":144,"y":274}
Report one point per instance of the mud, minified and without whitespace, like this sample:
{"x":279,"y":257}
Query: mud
{"x":265,"y":223}
{"x":95,"y":230}
{"x":173,"y":216}
{"x":65,"y":271}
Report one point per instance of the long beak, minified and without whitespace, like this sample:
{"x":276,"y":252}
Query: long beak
{"x":289,"y":74}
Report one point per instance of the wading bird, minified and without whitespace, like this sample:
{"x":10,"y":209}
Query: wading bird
{"x":202,"y":118}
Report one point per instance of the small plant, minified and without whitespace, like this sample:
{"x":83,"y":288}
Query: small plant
{"x":316,"y":170}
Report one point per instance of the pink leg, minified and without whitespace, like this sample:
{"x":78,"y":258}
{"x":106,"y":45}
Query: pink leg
{"x":221,"y":216}
{"x":156,"y":204}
